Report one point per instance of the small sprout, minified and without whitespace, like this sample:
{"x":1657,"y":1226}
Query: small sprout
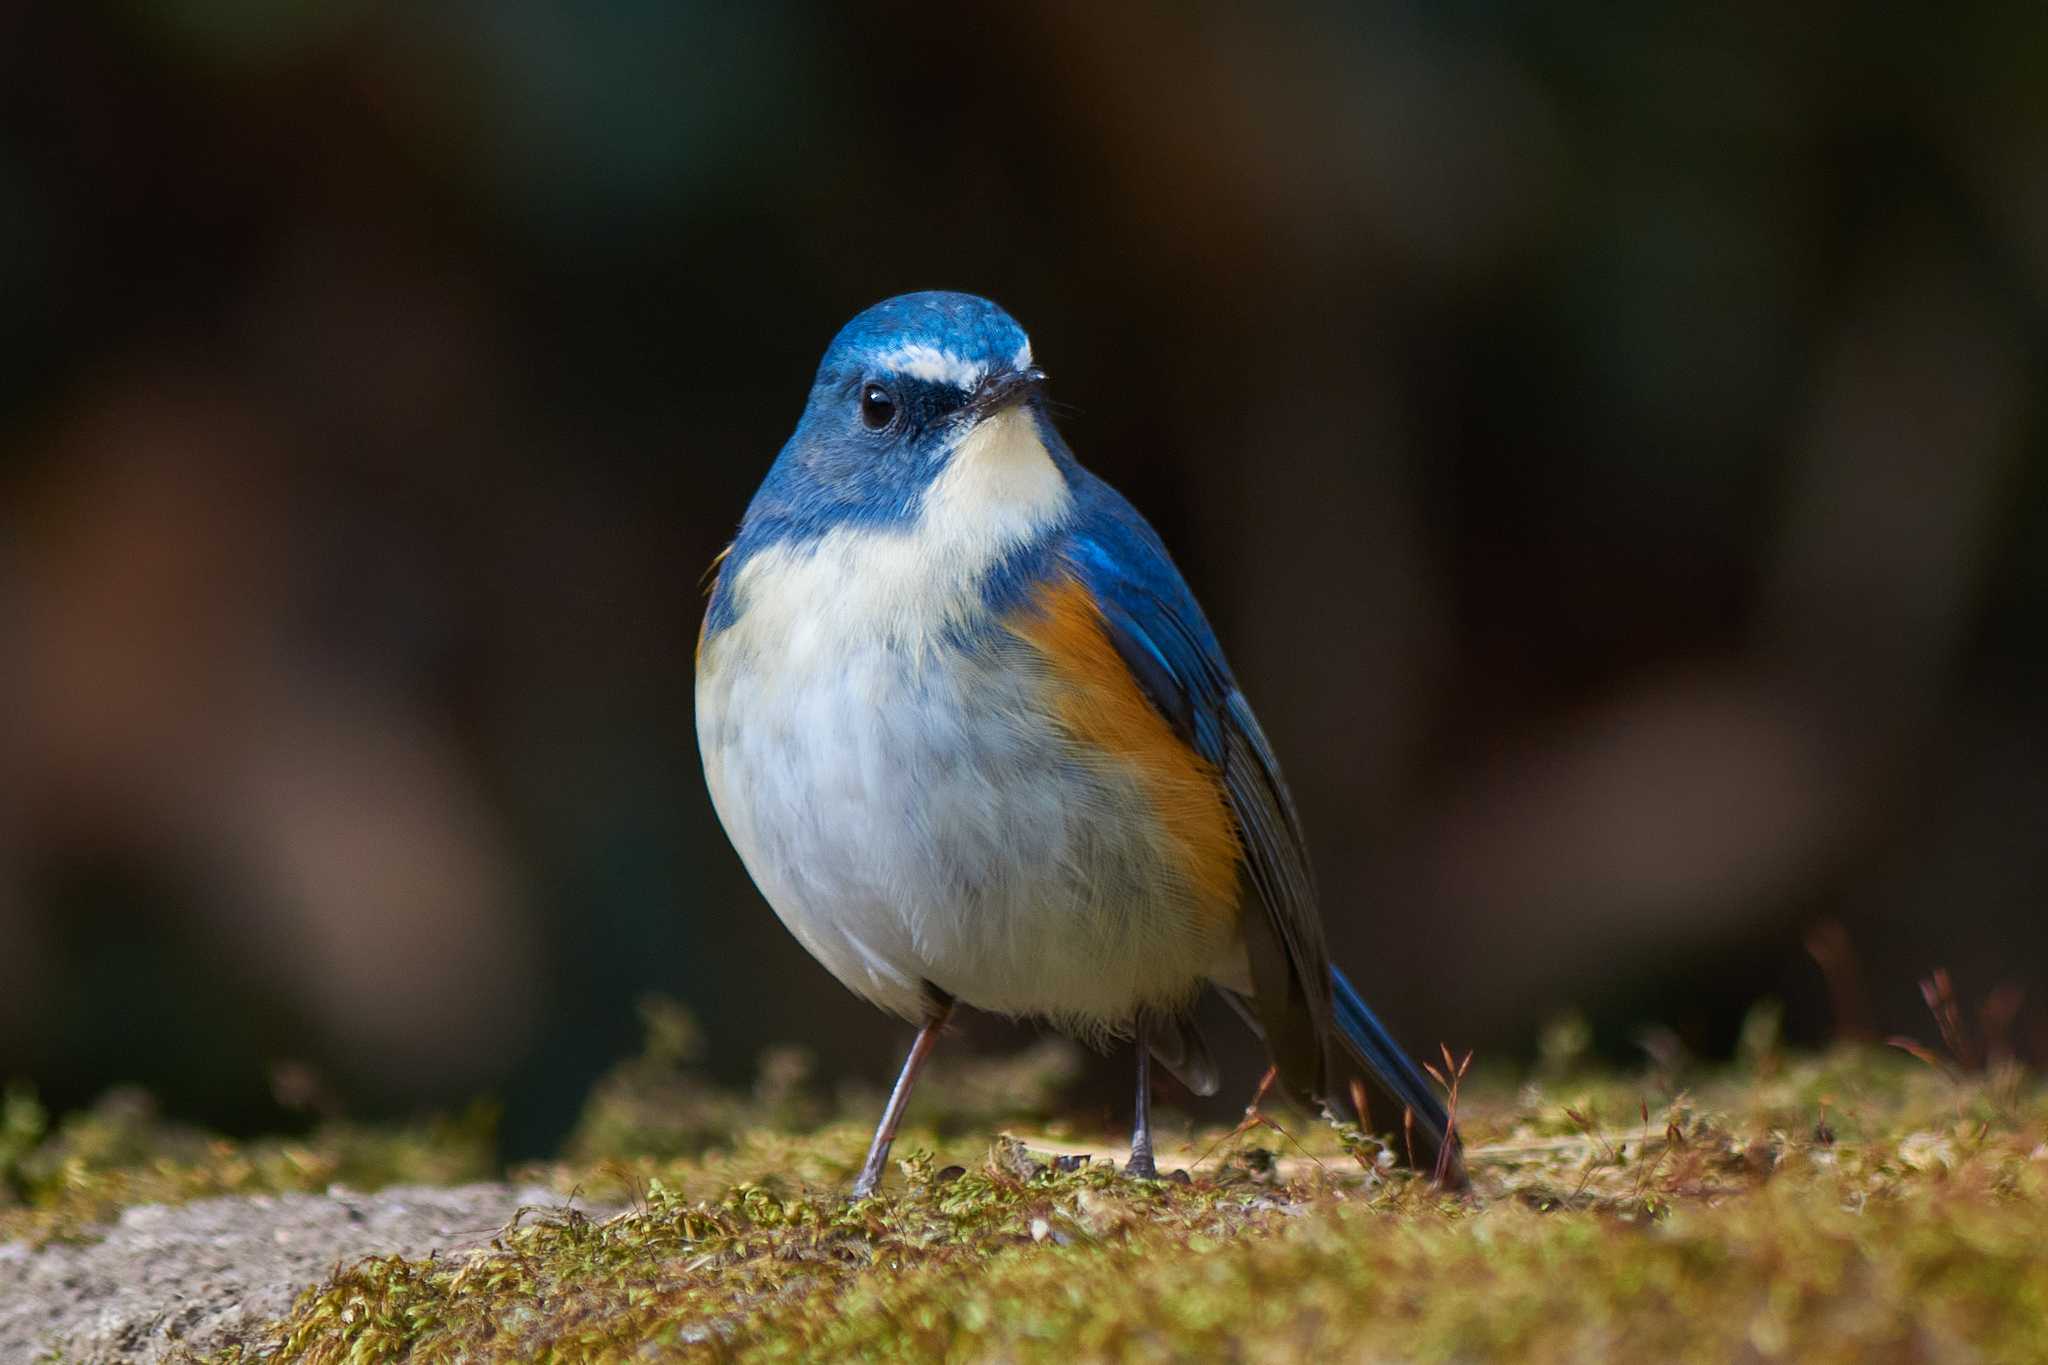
{"x":1563,"y":1045}
{"x":1762,"y":1032}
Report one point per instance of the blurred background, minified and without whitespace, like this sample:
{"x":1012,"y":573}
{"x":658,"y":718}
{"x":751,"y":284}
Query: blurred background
{"x":1609,"y":443}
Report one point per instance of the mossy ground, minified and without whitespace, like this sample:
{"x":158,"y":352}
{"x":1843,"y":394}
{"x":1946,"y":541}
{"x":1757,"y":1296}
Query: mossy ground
{"x":1858,"y":1205}
{"x":59,"y":1179}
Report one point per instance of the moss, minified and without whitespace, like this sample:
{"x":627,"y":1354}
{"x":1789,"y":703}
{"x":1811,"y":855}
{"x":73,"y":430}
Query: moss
{"x":57,"y":1181}
{"x":1852,"y":1206}
{"x":657,"y":1117}
{"x":1849,"y":1206}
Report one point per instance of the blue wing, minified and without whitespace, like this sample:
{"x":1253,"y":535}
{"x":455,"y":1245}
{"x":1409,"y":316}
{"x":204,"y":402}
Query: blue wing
{"x":1159,"y":630}
{"x":1162,"y":635}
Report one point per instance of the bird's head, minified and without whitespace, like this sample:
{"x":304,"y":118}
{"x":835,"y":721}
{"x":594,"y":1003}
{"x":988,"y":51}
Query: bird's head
{"x":907,"y":389}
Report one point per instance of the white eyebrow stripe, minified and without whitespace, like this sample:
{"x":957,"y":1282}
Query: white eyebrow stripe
{"x":932,"y":365}
{"x":1022,"y":360}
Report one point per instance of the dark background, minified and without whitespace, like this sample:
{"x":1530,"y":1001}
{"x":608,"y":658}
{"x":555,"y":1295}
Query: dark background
{"x":1609,"y":443}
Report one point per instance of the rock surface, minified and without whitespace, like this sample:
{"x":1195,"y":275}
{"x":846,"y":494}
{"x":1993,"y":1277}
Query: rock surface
{"x":209,"y":1274}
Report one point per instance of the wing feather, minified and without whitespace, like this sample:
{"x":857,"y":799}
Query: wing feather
{"x":1162,"y":636}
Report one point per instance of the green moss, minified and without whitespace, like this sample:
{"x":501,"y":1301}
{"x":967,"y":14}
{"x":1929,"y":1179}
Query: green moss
{"x":1850,"y":1206}
{"x":1845,"y":1207}
{"x":657,"y":1117}
{"x":57,"y":1181}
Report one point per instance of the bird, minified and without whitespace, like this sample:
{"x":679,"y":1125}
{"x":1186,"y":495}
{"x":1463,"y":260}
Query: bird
{"x":976,"y":743}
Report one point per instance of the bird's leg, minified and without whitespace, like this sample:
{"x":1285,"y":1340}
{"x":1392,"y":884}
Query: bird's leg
{"x":899,"y":1099}
{"x":1141,"y":1164}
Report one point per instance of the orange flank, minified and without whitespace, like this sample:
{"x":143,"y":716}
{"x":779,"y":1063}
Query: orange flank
{"x":1104,"y":710}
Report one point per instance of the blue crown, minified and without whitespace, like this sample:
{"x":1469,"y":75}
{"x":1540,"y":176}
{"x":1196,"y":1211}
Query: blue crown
{"x":936,"y":336}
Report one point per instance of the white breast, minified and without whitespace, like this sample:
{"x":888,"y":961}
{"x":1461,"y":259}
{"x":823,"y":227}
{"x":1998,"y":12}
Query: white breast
{"x":905,"y":586}
{"x":905,"y":805}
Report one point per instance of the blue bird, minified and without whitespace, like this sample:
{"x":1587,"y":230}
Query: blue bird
{"x":975,"y":741}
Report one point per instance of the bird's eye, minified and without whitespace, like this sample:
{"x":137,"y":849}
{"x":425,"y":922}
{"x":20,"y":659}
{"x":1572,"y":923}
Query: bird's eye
{"x":877,"y":407}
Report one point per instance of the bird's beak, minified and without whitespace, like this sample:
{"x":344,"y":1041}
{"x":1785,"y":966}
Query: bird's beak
{"x":1000,"y":391}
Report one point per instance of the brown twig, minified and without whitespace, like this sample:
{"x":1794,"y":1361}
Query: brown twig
{"x":1671,"y":1139}
{"x":1995,"y":1020}
{"x":1827,"y":943}
{"x":1450,"y":1086}
{"x":1940,"y":994}
{"x":1253,"y":1117}
{"x":1601,"y":1144}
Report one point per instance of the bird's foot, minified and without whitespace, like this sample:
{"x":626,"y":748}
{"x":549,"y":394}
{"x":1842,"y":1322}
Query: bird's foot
{"x":1141,"y":1166}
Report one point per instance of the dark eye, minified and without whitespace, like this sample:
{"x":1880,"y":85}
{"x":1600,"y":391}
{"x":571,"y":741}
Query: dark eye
{"x":877,"y":407}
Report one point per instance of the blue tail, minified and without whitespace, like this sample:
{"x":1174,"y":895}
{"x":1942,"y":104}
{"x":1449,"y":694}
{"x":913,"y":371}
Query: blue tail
{"x":1375,"y":1050}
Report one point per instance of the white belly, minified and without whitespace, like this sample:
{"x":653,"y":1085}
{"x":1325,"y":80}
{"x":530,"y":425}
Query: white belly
{"x":912,"y":818}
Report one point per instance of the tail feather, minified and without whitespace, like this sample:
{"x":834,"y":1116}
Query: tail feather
{"x":1374,"y":1049}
